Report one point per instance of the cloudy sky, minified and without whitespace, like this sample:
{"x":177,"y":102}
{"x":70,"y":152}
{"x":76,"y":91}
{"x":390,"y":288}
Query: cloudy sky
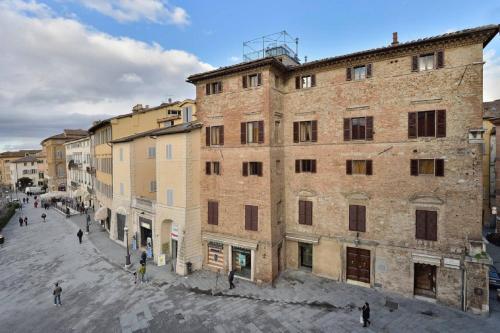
{"x":65,"y":63}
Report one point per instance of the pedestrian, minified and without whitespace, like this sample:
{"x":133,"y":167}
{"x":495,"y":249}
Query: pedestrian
{"x":44,"y":216}
{"x":21,"y":221}
{"x":88,"y":222}
{"x":57,"y":294}
{"x":24,"y":200}
{"x":365,"y":314}
{"x":142,"y":272}
{"x":79,"y":234}
{"x":135,"y":277}
{"x":230,"y":278}
{"x":67,"y":212}
{"x":36,"y":197}
{"x":27,"y":200}
{"x":36,"y":204}
{"x":144,"y":257}
{"x":26,"y":221}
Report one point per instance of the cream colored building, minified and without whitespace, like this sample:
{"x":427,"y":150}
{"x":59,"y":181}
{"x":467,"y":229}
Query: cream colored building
{"x":26,"y":167}
{"x":79,"y":179}
{"x":6,"y":158}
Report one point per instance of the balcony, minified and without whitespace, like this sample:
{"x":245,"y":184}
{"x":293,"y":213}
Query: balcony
{"x":90,"y":170}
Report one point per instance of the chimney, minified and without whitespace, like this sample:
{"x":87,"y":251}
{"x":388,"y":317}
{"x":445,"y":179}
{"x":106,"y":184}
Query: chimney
{"x":170,"y":100}
{"x":395,"y":38}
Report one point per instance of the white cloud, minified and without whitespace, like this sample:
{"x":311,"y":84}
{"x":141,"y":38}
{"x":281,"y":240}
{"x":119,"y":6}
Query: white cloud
{"x":234,"y":59}
{"x":157,"y":11}
{"x":491,"y":80}
{"x":58,"y":73}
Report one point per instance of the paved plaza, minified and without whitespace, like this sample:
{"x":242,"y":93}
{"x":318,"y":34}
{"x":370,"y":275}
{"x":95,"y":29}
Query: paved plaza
{"x":99,"y":295}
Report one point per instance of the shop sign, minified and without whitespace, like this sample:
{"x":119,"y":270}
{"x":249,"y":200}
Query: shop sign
{"x":175,"y":231}
{"x":451,"y":263}
{"x":161,"y":260}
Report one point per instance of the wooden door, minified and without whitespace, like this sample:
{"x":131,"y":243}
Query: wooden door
{"x":425,"y":280}
{"x":358,"y":264}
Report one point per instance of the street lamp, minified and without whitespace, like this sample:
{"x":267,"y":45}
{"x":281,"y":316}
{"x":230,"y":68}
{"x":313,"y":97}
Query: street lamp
{"x":127,"y":257}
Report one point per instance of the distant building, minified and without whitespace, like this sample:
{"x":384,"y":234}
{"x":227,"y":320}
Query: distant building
{"x":27,"y":167}
{"x":5,"y":159}
{"x":78,"y":163}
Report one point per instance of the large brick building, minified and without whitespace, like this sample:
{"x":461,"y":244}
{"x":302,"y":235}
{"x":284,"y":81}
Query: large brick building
{"x":360,"y":167}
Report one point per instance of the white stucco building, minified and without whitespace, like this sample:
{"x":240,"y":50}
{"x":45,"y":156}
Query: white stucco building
{"x":27,"y":166}
{"x":79,"y":179}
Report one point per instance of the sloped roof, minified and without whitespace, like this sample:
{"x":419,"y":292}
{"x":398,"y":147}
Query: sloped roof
{"x":18,"y":153}
{"x":181,"y":128}
{"x":26,"y":159}
{"x":68,"y":134}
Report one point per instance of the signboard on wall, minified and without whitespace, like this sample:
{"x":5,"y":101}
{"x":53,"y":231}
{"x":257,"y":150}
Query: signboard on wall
{"x":161,"y":260}
{"x":243,"y":260}
{"x":175,"y":231}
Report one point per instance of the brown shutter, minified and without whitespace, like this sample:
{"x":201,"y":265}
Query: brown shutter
{"x":414,"y":167}
{"x":220,"y":86}
{"x":248,"y":217}
{"x":259,"y":79}
{"x":441,"y":124}
{"x":261,"y":131}
{"x":295,"y":131}
{"x":361,"y":217}
{"x":297,"y":82}
{"x":215,"y":212}
{"x":244,"y":80}
{"x":439,"y":168}
{"x":347,"y":129}
{"x":348,"y":167}
{"x":420,"y":224}
{"x":313,"y":166}
{"x":314,"y":130}
{"x":207,"y":136}
{"x":221,"y":139}
{"x":430,"y":125}
{"x":207,"y":89}
{"x":308,"y":213}
{"x":369,"y":70}
{"x":414,"y":63}
{"x":352,"y":217}
{"x":431,"y":226}
{"x":297,"y":166}
{"x":440,"y":59}
{"x":302,"y":212}
{"x":369,"y":167}
{"x":208,"y":169}
{"x":313,"y":80}
{"x":412,"y":125}
{"x":243,"y":134}
{"x":348,"y":73}
{"x":369,"y":128}
{"x":255,"y":218}
{"x":210,"y":213}
{"x":259,"y":169}
{"x":245,"y":169}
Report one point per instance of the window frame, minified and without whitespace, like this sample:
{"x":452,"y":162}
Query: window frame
{"x":305,"y":166}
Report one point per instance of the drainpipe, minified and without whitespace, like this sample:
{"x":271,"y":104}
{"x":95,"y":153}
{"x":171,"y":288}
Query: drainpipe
{"x":464,"y":289}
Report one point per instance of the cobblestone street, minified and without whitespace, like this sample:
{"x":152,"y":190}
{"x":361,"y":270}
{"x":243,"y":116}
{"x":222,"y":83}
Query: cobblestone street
{"x":100,"y":296}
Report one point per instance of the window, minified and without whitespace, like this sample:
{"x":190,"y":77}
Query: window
{"x":213,"y":88}
{"x":170,"y":197}
{"x":121,"y":154}
{"x":251,"y":217}
{"x":427,"y":167}
{"x":358,"y":128}
{"x":277,"y":131}
{"x":305,"y":166}
{"x":173,"y":113}
{"x":427,"y":61}
{"x":359,"y":167}
{"x":359,"y":72}
{"x":252,"y":80}
{"x":215,"y":166}
{"x":252,"y":132}
{"x":40,"y":175}
{"x":187,"y":113}
{"x":122,"y":189}
{"x":252,"y":169}
{"x":214,"y":136}
{"x":357,"y":218}
{"x":151,"y":152}
{"x":168,"y":152}
{"x":305,"y":131}
{"x":426,"y":225}
{"x":169,"y":123}
{"x":427,"y":124}
{"x":305,"y":212}
{"x":213,"y":212}
{"x":152,"y":186}
{"x":305,"y":81}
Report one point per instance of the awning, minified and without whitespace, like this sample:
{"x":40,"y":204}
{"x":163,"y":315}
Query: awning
{"x":229,"y":240}
{"x":54,"y":194}
{"x":101,"y":214}
{"x":428,"y":259}
{"x":303,"y":238}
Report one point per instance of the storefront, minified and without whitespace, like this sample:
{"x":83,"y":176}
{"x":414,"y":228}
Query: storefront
{"x":120,"y":226}
{"x":215,"y":255}
{"x":145,"y":229}
{"x":242,"y":262}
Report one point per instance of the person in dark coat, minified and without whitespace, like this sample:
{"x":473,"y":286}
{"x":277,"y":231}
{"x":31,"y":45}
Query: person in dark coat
{"x":230,"y":278}
{"x":57,"y":294}
{"x":366,"y":314}
{"x":21,"y":221}
{"x":144,"y":256}
{"x":26,"y":221}
{"x":79,"y":234}
{"x":44,"y":216}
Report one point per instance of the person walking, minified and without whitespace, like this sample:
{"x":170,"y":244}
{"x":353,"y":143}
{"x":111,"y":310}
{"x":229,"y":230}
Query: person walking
{"x":26,"y":221}
{"x":230,"y":278}
{"x":365,"y":314}
{"x":27,"y":200}
{"x":142,"y":272}
{"x":44,"y":216}
{"x":88,"y":223}
{"x":144,"y":256}
{"x":21,"y":221}
{"x":57,"y":294}
{"x":79,"y":234}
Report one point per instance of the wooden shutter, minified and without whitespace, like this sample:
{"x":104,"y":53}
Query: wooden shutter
{"x":248,"y":217}
{"x":261,"y":131}
{"x":221,"y":138}
{"x":207,"y":89}
{"x":313,"y":80}
{"x":431,"y":226}
{"x":207,"y":136}
{"x":245,"y":169}
{"x":308,"y":212}
{"x":255,"y":218}
{"x":259,"y":79}
{"x":369,"y":167}
{"x":297,"y":82}
{"x":243,"y":134}
{"x":352,"y":217}
{"x":420,"y":224}
{"x":412,"y":125}
{"x":430,"y":123}
{"x":295,"y":131}
{"x":297,"y":166}
{"x":314,"y":130}
{"x":414,"y":167}
{"x":414,"y":63}
{"x":220,"y":86}
{"x":302,"y":212}
{"x":441,"y":124}
{"x":361,"y":218}
{"x":348,"y":167}
{"x":347,"y":129}
{"x":259,"y":169}
{"x":369,"y":128}
{"x":313,"y":166}
{"x":369,"y":70}
{"x":348,"y":73}
{"x":208,"y":169}
{"x":210,"y":214}
{"x":439,"y":168}
{"x":440,"y":59}
{"x":244,"y":81}
{"x":215,"y":211}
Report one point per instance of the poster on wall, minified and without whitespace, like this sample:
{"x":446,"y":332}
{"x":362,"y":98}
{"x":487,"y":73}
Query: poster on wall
{"x":161,"y":260}
{"x":243,"y":260}
{"x":175,"y":231}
